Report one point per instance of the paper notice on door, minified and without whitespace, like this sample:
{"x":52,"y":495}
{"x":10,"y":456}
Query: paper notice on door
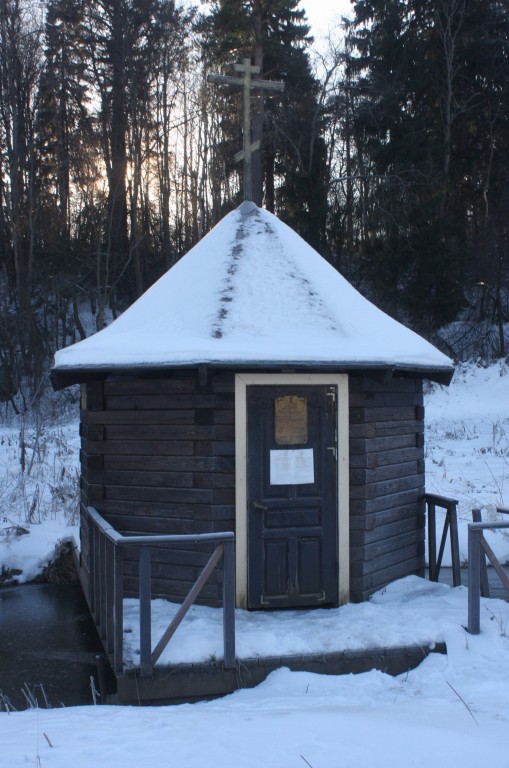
{"x":292,"y":467}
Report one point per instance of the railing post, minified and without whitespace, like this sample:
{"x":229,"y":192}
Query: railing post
{"x":229,"y":603}
{"x":432,"y":542}
{"x":455,"y":552}
{"x":485,"y":587}
{"x":474,"y":581}
{"x":118,"y":608}
{"x":145,"y":613}
{"x":91,"y":564}
{"x":110,"y":615}
{"x":97,"y":577}
{"x":103,"y":590}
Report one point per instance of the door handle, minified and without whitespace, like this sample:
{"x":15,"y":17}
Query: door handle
{"x":256,"y":505}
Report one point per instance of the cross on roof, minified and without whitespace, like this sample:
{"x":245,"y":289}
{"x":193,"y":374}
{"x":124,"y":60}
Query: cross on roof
{"x":247,"y":69}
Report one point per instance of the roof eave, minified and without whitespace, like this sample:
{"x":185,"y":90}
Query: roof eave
{"x":67,"y":376}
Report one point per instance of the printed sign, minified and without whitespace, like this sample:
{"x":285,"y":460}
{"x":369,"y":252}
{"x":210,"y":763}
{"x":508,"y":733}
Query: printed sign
{"x":292,"y":467}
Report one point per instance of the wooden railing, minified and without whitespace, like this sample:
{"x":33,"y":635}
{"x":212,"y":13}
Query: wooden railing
{"x":106,"y":588}
{"x":451,"y":527}
{"x":478,"y":550}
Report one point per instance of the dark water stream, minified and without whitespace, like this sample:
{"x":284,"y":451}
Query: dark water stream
{"x":48,"y":646}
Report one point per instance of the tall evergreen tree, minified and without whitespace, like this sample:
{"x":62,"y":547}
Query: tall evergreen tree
{"x":288,"y":174}
{"x":424,"y":145}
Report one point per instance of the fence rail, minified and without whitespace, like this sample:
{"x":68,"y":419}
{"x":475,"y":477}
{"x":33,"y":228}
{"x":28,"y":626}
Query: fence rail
{"x":478,"y":549}
{"x":106,"y":588}
{"x":451,"y":527}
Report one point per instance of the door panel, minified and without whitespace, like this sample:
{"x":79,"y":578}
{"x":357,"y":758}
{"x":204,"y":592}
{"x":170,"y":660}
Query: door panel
{"x":292,"y":527}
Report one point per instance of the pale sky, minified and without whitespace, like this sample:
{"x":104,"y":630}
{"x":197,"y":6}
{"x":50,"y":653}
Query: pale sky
{"x":322,"y":14}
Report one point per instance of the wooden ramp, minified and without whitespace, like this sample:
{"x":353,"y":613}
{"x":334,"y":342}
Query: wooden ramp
{"x":193,"y":682}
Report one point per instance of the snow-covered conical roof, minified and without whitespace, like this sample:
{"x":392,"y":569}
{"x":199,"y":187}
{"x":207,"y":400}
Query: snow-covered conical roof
{"x":251,"y":294}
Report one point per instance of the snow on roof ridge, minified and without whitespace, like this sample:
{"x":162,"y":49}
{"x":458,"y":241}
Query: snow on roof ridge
{"x":249,"y":292}
{"x":247,"y":208}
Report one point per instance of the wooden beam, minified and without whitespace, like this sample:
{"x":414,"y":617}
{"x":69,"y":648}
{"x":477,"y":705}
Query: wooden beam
{"x":247,"y":83}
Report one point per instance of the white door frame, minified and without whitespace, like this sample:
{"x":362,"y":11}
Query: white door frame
{"x":244,"y":380}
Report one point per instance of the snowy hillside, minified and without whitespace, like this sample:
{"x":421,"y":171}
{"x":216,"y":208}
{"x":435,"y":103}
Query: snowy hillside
{"x":467,"y":445}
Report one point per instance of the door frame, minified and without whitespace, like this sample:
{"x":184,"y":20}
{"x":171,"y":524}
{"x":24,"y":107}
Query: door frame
{"x":244,"y":380}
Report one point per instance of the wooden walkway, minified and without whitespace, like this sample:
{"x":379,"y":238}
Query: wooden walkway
{"x":205,"y":680}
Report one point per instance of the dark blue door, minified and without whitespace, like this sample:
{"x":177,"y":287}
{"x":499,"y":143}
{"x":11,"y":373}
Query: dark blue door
{"x":292,"y":496}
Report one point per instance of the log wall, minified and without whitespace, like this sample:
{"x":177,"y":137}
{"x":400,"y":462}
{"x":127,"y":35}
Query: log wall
{"x":158,"y":456}
{"x":386,"y":483}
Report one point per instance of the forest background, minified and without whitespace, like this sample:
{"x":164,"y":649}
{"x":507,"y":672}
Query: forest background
{"x":388,"y":152}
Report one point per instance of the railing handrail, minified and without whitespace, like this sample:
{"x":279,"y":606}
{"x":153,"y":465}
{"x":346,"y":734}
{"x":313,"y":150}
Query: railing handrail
{"x":487,"y":526}
{"x":476,"y":544}
{"x":441,"y":501}
{"x":106,"y":590}
{"x":433,"y":500}
{"x":152,"y":539}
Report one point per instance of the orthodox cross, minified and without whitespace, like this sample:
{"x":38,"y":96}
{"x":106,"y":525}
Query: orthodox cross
{"x":247,"y":82}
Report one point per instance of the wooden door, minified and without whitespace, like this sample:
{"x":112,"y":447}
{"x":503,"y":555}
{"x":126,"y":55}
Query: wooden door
{"x":292,"y":496}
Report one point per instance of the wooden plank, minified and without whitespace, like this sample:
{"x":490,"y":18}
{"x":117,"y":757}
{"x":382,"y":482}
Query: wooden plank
{"x":95,"y":396}
{"x":149,"y":431}
{"x":167,"y":385}
{"x":385,"y":399}
{"x":208,"y":464}
{"x":387,"y":487}
{"x":181,"y":555}
{"x":223,"y":448}
{"x":144,"y":447}
{"x":368,"y":384}
{"x":213,"y":480}
{"x":224,"y":417}
{"x":157,"y":402}
{"x":225,"y":480}
{"x":359,"y":537}
{"x":145,"y":478}
{"x":174,"y":591}
{"x":145,"y":593}
{"x":386,"y":561}
{"x":376,"y":549}
{"x":485,"y":587}
{"x":372,"y":520}
{"x":118,"y":610}
{"x":191,"y":682}
{"x":134,"y":525}
{"x":382,"y":414}
{"x":388,"y":472}
{"x":401,"y":499}
{"x":143,"y":493}
{"x":385,"y":429}
{"x":168,"y":571}
{"x":382,"y":444}
{"x":229,"y":605}
{"x":369,"y":460}
{"x":162,"y":416}
{"x":224,"y":512}
{"x":166,"y":510}
{"x":224,"y":383}
{"x":223,"y":496}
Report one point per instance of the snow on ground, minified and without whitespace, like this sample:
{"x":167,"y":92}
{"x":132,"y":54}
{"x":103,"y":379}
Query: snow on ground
{"x":467,"y":447}
{"x":409,"y":612}
{"x":39,"y":481}
{"x":452,"y":709}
